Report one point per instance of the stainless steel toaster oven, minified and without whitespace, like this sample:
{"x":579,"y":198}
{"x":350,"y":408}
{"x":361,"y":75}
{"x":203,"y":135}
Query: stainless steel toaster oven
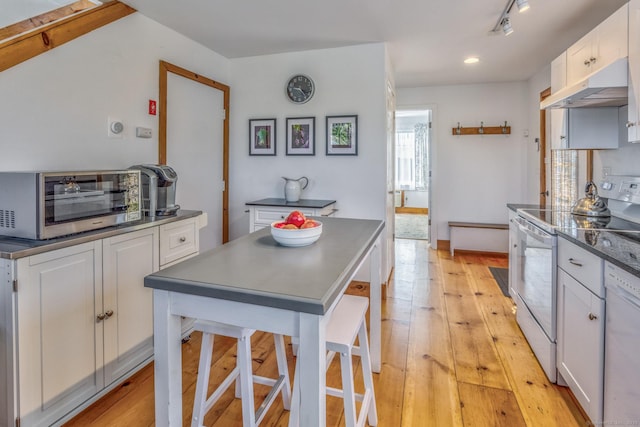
{"x":44,"y":205}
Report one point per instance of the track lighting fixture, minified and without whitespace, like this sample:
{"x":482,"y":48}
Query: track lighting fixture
{"x":506,"y":26}
{"x":504,"y":23}
{"x":523,"y":5}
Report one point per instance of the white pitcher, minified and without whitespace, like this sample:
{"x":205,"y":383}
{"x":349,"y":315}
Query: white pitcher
{"x":293,"y":188}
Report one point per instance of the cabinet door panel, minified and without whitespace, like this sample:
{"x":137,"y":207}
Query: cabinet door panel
{"x":633,"y":132}
{"x":128,"y":332}
{"x":60,"y":341}
{"x":581,"y":343}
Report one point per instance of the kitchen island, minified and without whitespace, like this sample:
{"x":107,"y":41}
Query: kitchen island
{"x":255,"y":283}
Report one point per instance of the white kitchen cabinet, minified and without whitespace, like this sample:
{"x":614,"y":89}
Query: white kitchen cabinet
{"x":76,"y":321}
{"x":633,"y":123}
{"x":584,"y":128}
{"x":263,"y":216}
{"x":513,"y":254}
{"x":559,"y":72}
{"x":599,"y":48}
{"x":179,"y":241}
{"x":127,"y":304}
{"x":581,"y":324}
{"x":59,"y":296}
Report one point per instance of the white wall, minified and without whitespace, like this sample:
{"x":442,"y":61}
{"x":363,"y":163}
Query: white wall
{"x":474,"y":177}
{"x":348,"y":80}
{"x":54,"y":107}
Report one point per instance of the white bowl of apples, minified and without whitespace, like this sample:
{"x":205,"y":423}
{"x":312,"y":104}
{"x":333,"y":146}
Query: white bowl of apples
{"x":296,"y":230}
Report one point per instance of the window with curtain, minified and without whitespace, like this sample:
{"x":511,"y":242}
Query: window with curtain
{"x":564,"y":178}
{"x":412,"y":151}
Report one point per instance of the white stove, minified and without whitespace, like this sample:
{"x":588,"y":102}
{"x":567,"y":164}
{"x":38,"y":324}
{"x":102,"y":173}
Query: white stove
{"x":617,"y":236}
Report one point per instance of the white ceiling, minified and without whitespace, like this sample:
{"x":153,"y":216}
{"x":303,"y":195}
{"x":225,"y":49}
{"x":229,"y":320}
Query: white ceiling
{"x":427,"y":39}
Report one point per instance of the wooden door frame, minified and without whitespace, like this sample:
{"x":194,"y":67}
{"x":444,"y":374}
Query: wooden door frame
{"x":165,"y":69}
{"x":542,"y":148}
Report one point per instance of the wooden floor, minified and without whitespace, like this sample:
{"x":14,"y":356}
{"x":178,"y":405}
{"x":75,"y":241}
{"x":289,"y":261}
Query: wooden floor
{"x":453,"y":355}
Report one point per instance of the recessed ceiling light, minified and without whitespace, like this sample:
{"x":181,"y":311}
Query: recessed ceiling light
{"x":472,"y":60}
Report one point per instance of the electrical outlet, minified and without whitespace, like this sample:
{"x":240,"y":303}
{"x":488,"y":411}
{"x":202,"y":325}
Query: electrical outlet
{"x":606,"y":171}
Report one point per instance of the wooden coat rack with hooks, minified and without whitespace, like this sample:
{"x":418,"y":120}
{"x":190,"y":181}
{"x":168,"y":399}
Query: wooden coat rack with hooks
{"x":482,"y":130}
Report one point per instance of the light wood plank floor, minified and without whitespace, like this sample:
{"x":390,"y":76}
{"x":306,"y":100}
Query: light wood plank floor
{"x":453,"y":355}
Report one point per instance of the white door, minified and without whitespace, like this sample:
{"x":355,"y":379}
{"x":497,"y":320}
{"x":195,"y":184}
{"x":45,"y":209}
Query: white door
{"x":388,"y":258}
{"x":195,"y":118}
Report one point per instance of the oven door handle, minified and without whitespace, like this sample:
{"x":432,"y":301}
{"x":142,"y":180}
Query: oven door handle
{"x":531,"y":230}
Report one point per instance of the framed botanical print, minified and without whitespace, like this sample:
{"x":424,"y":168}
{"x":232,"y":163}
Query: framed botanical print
{"x":301,"y":136}
{"x":342,"y":135}
{"x":262,"y":137}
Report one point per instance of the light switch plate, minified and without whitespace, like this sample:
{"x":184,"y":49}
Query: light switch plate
{"x":143,"y":132}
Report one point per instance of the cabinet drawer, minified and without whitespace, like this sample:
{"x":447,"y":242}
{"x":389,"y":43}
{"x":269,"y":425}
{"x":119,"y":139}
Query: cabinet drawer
{"x":178,"y":240}
{"x":582,"y":265}
{"x":267,"y":216}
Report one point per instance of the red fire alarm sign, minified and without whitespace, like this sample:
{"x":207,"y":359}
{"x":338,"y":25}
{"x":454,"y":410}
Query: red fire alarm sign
{"x":152,"y":107}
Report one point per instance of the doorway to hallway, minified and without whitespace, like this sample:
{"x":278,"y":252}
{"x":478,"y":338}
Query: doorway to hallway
{"x":412,"y":153}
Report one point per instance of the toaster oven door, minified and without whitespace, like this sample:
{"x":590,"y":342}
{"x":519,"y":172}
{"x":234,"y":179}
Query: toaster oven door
{"x":81,"y":201}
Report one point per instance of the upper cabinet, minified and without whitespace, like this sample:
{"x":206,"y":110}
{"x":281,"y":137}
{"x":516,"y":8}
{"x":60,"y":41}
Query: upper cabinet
{"x":633,"y":134}
{"x":559,"y":72}
{"x":598,"y":48}
{"x":584,"y":128}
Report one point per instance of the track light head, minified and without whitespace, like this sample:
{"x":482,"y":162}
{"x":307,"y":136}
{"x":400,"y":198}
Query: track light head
{"x":506,"y":26}
{"x":523,"y":5}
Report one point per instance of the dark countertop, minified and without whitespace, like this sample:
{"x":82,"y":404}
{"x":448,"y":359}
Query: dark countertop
{"x":516,"y":206}
{"x":619,"y":248}
{"x":255,"y":269}
{"x":611,"y":246}
{"x":302,"y":203}
{"x":14,"y":248}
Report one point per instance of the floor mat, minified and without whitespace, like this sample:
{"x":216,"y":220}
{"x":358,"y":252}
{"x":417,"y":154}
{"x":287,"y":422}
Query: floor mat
{"x":501,"y":275}
{"x":412,"y":226}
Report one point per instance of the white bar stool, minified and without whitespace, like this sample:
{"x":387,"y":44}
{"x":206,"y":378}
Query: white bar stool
{"x":347,"y":322}
{"x":242,"y":374}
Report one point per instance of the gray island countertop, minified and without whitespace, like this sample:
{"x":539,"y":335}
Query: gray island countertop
{"x":255,"y":269}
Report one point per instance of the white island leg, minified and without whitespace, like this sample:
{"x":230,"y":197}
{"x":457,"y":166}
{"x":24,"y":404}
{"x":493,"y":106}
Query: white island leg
{"x":168,"y":362}
{"x":312,"y":372}
{"x":375,"y":308}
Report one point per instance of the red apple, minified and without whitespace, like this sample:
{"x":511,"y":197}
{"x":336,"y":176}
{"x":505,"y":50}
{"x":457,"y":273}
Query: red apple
{"x":290,"y":227}
{"x":296,"y":218}
{"x":309,"y":224}
{"x":279,"y":224}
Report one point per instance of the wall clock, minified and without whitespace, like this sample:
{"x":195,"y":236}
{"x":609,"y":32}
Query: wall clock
{"x":300,"y":89}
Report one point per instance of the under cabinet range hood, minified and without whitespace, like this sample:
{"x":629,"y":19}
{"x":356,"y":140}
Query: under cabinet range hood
{"x":606,"y":87}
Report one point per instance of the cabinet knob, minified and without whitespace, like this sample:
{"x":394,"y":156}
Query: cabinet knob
{"x":108,"y":313}
{"x":593,"y":60}
{"x":182,"y":239}
{"x":592,"y":316}
{"x":630,"y":125}
{"x":100,"y":317}
{"x":587,"y":62}
{"x":562,"y":137}
{"x":574,"y":262}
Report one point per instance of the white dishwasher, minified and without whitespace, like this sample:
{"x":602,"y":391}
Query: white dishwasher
{"x":622,"y":347}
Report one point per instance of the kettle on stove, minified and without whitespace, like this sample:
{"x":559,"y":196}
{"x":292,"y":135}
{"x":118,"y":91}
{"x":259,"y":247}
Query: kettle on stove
{"x":591,"y":205}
